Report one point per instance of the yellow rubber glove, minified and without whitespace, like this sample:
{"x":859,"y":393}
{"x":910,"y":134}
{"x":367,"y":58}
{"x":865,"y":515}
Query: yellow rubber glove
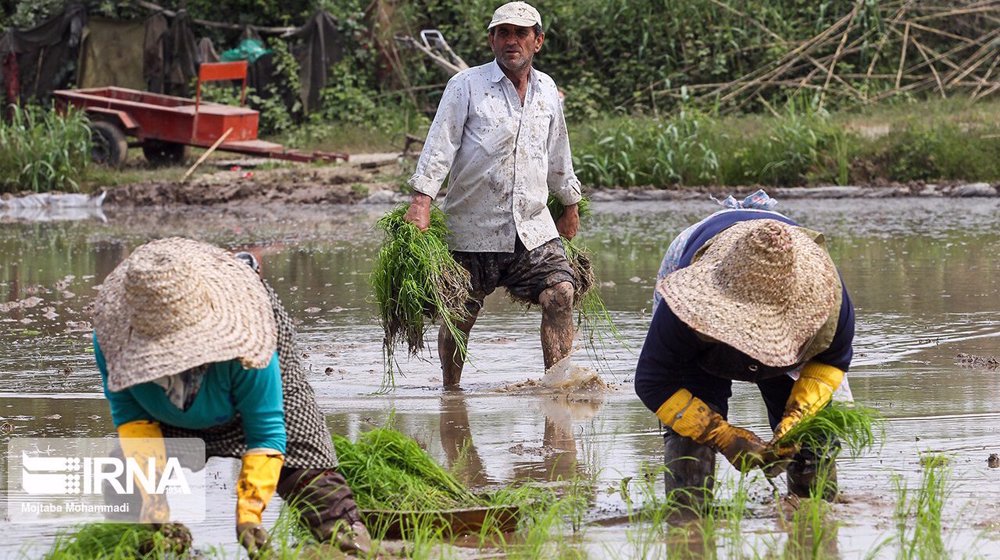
{"x":257,"y":482}
{"x":810,"y":393}
{"x":689,"y":416}
{"x":140,"y":440}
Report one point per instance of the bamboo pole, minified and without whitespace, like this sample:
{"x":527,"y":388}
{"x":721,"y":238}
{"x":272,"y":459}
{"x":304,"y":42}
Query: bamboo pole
{"x":885,"y":35}
{"x":840,"y":49}
{"x":207,"y":153}
{"x":902,"y":54}
{"x":937,"y":78}
{"x":986,"y":77}
{"x":790,"y":58}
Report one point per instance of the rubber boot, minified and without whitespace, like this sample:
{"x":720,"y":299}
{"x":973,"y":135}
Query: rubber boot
{"x":808,"y":471}
{"x":690,"y":474}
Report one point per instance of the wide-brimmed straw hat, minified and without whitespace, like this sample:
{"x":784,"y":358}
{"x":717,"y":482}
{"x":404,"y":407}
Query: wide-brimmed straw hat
{"x":175,"y":304}
{"x":762,"y":286}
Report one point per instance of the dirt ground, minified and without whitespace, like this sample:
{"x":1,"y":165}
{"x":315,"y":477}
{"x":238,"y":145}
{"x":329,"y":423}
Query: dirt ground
{"x":381,"y":177}
{"x":250,"y":182}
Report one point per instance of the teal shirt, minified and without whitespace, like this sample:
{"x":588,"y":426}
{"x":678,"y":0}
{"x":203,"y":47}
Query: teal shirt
{"x":227,"y":388}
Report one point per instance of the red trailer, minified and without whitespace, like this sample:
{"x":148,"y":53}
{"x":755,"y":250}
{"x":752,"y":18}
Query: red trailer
{"x":165,"y":125}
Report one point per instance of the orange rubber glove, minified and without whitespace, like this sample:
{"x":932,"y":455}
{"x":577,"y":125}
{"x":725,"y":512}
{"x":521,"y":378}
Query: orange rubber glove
{"x":689,"y":416}
{"x":256,"y":485}
{"x":811,"y":392}
{"x":140,"y":441}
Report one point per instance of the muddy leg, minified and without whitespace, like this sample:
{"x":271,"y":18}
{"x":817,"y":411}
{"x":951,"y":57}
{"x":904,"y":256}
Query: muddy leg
{"x":326,"y":507}
{"x":813,"y":473}
{"x":452,"y":361}
{"x":690,"y":475}
{"x":557,"y":322}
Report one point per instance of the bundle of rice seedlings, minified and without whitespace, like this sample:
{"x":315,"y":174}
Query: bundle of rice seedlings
{"x":389,"y":471}
{"x":123,"y":541}
{"x":852,"y":424}
{"x":592,"y":315}
{"x":556,"y":207}
{"x":416,"y":278}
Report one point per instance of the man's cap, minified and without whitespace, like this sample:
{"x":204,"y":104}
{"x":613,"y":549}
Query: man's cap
{"x":520,"y":14}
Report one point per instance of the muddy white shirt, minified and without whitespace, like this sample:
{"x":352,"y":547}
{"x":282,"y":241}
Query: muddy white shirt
{"x":503,"y":159}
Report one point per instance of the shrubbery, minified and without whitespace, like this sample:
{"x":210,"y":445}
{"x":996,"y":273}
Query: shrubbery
{"x":795,"y":147}
{"x":41,"y":150}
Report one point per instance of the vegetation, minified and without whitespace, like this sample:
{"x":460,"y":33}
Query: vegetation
{"x":918,"y":513}
{"x":389,"y":471}
{"x":121,"y":541}
{"x":853,"y":425}
{"x":42,"y":150}
{"x":801,"y":144}
{"x":669,"y":113}
{"x":415,"y":277}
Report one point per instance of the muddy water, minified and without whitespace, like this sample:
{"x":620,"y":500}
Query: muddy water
{"x":924,"y":276}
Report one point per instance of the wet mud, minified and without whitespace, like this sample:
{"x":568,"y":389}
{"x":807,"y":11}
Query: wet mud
{"x":346,"y":183}
{"x":923,"y":275}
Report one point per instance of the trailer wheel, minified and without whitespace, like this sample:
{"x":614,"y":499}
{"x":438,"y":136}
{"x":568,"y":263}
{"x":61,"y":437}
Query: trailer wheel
{"x":108,"y":146}
{"x":160,"y":152}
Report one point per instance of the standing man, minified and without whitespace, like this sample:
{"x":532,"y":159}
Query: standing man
{"x":500,"y":135}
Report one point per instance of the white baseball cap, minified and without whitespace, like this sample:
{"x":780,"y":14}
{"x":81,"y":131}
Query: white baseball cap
{"x":520,"y":14}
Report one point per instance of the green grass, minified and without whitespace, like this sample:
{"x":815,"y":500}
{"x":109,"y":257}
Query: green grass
{"x":797,"y":145}
{"x":415,"y":279}
{"x":120,"y":541}
{"x":42,"y":150}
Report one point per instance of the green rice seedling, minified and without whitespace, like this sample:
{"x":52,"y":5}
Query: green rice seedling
{"x":854,"y":425}
{"x":647,"y":513}
{"x":389,"y":471}
{"x":543,"y":528}
{"x":811,"y":531}
{"x":924,"y":509}
{"x":122,"y":541}
{"x":416,"y":278}
{"x":556,"y":207}
{"x":289,"y":537}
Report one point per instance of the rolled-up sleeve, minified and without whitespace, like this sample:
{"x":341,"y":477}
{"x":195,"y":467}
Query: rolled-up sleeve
{"x":561,"y":179}
{"x":443,"y":139}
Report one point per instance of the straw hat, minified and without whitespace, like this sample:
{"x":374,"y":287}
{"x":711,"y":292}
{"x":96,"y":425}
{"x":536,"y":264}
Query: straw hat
{"x":177,"y":303}
{"x":762,"y":286}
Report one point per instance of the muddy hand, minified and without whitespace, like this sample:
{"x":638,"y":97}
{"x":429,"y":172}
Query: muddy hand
{"x":419,"y":213}
{"x":176,"y":537}
{"x":253,"y":537}
{"x":743,"y":448}
{"x":777,"y":458}
{"x":569,"y":223}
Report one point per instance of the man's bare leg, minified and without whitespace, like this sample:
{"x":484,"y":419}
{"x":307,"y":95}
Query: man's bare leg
{"x":452,"y":360}
{"x":557,"y":322}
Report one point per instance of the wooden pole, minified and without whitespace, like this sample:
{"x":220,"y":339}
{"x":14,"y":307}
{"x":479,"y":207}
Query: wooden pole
{"x":207,"y":153}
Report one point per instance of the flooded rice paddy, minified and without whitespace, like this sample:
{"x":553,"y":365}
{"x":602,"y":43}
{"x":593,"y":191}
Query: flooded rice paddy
{"x":924,"y":275}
